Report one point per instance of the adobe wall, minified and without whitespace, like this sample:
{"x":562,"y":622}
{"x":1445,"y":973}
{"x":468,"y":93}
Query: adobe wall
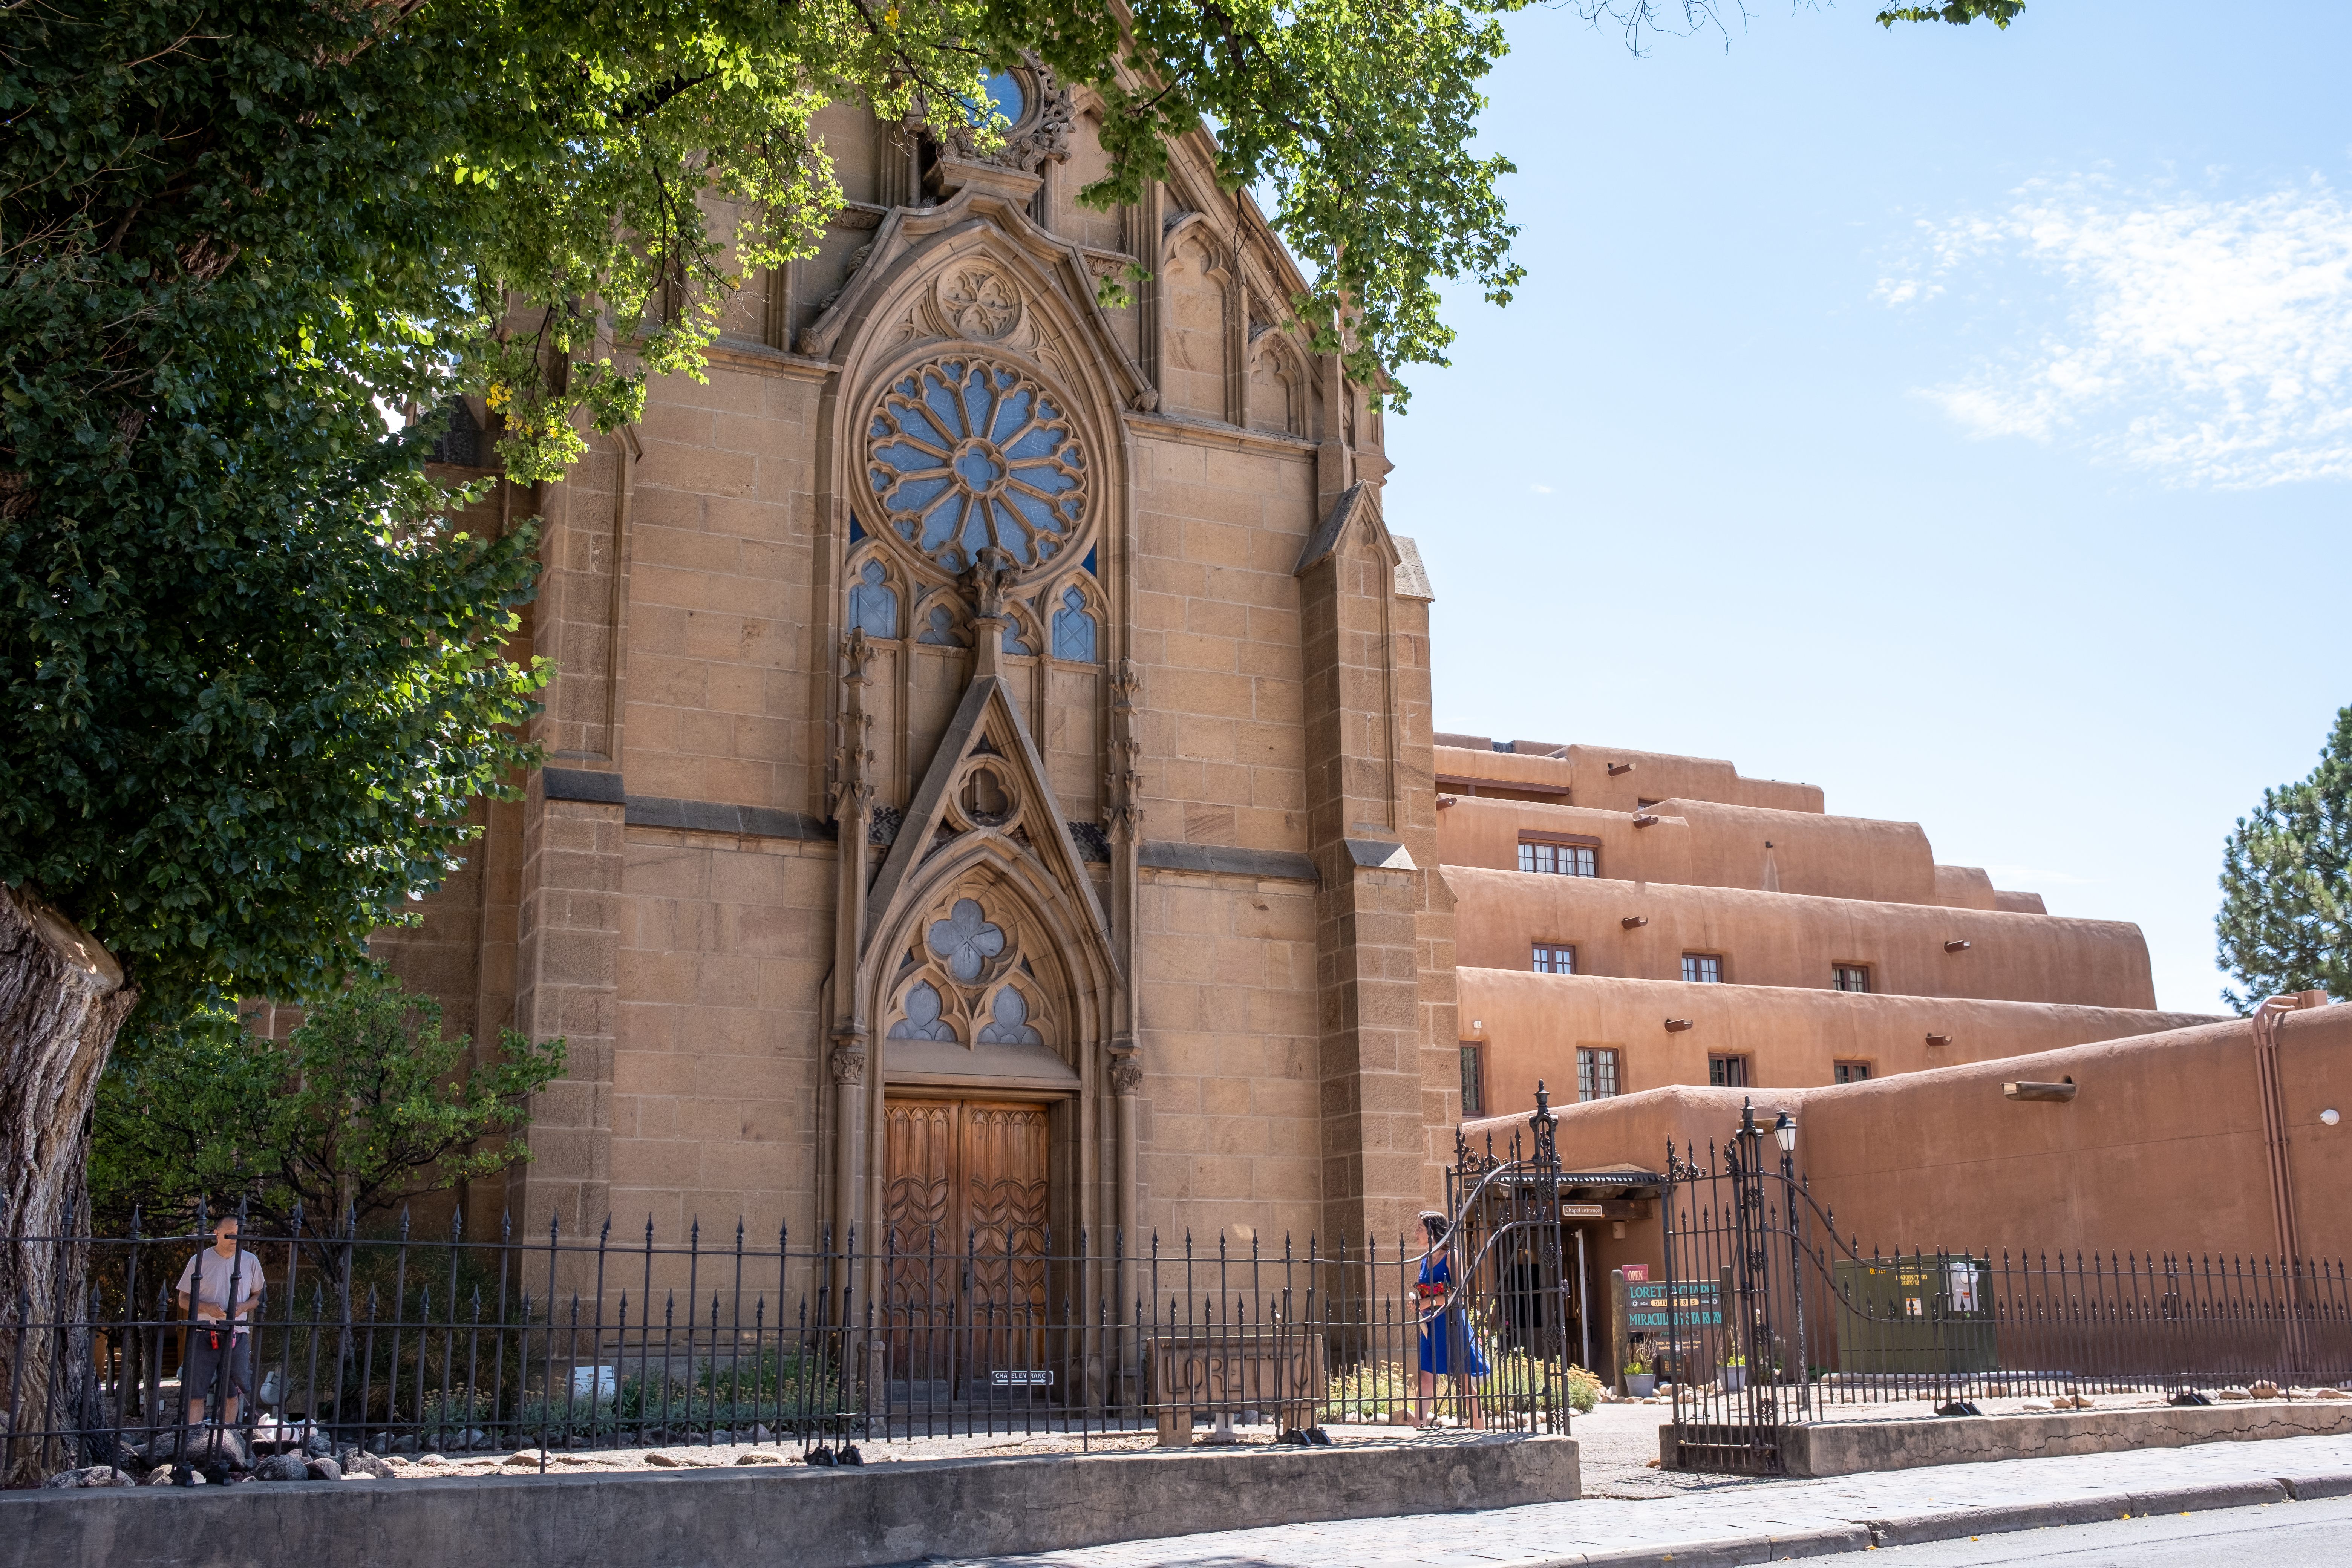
{"x":2162,"y":1150}
{"x":1531,"y":1025}
{"x":1786,"y":939}
{"x":1703,"y":844}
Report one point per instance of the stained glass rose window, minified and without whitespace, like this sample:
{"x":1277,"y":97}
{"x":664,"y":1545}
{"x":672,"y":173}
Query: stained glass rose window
{"x":963,"y":454}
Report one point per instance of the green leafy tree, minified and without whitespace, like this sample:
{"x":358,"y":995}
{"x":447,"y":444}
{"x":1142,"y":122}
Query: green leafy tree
{"x":2286,"y":885}
{"x":367,"y":1107}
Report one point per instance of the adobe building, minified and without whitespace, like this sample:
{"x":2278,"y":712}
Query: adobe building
{"x":1626,"y":920}
{"x":989,"y":779}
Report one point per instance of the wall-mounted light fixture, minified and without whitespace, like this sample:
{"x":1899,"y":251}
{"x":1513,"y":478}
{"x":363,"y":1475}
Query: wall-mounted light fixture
{"x":1676,"y":1025}
{"x":1618,"y":770}
{"x":1940,"y":1039}
{"x":1956,"y":946}
{"x":1477,"y":1025}
{"x":2042,"y":1092}
{"x":1644,"y":819}
{"x":1616,"y":1230}
{"x":2330,"y":1117}
{"x":1631,"y":921}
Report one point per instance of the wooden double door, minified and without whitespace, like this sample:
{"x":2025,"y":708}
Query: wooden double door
{"x":967,"y":1280}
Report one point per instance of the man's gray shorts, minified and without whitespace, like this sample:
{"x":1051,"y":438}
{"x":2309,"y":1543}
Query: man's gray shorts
{"x":204,"y":1362}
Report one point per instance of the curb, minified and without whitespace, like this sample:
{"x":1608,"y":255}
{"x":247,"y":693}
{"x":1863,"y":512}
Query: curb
{"x":1957,"y":1525}
{"x":1921,"y":1528}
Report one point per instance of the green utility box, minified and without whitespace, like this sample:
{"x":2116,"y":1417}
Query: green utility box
{"x":1926,"y":1314}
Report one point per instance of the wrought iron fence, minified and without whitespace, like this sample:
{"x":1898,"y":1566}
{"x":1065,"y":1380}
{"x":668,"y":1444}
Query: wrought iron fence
{"x":1771,"y":1317}
{"x":401,"y":1343}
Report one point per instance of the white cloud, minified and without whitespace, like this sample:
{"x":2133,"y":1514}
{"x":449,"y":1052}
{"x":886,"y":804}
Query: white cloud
{"x":2205,"y":339}
{"x":1541,"y":489}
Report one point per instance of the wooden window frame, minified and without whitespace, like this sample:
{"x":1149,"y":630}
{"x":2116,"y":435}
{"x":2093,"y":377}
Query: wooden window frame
{"x":1688,"y":960}
{"x":1747,"y":1069}
{"x":1474,"y":1075}
{"x":1587,"y":1071}
{"x":1839,"y":1068}
{"x":1531,"y":840}
{"x":1837,"y":978}
{"x":1553,"y":949}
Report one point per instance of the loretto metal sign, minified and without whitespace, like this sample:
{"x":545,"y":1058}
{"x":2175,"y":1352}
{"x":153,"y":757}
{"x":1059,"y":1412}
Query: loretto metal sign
{"x":1655,"y":1308}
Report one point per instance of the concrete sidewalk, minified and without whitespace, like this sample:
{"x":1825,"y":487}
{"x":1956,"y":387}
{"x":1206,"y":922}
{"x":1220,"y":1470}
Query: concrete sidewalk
{"x":1768,"y":1522}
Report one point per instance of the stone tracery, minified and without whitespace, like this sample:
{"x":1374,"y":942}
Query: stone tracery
{"x":964,"y":454}
{"x":966,"y":980}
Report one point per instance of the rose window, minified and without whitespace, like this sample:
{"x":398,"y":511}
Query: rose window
{"x":964,"y":455}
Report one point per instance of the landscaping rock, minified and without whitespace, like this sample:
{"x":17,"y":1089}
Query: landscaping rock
{"x":403,"y":1444}
{"x":324,"y":1471}
{"x":532,"y":1457}
{"x":359,"y":1462}
{"x":762,"y":1435}
{"x":91,"y":1476}
{"x":761,"y":1459}
{"x":282,"y":1467}
{"x":318,"y":1445}
{"x":2265,"y":1389}
{"x":665,"y":1461}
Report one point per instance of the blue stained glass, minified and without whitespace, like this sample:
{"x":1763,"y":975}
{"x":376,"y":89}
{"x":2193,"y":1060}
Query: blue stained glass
{"x":941,"y":632}
{"x":922,"y":1021}
{"x":1000,"y":91}
{"x":942,"y":402}
{"x":979,"y":468}
{"x":907,"y":459}
{"x":966,"y":940}
{"x":874,"y":604}
{"x":981,"y":457}
{"x":976,"y":399}
{"x":1011,"y":1012}
{"x":1011,"y":415}
{"x":1074,"y":628}
{"x":1013,"y":641}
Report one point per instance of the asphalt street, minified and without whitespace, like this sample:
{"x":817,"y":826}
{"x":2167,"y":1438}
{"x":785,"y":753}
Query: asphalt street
{"x":2281,"y":1535}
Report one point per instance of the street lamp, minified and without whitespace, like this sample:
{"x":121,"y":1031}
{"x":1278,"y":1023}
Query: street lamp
{"x":1784,"y":1132}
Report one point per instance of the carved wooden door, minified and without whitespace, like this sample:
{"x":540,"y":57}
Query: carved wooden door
{"x":964,"y":1205}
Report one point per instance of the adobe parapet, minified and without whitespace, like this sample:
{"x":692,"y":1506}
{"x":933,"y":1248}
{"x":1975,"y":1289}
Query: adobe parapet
{"x":1608,"y":778}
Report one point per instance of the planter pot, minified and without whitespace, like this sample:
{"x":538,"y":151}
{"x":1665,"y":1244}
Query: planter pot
{"x":1735,"y":1378}
{"x":1641,"y":1385}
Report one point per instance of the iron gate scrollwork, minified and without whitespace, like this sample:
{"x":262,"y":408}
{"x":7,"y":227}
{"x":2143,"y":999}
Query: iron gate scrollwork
{"x":1733,"y":1303}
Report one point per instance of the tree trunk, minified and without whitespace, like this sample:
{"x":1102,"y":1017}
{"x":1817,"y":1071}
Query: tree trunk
{"x":62,"y":1000}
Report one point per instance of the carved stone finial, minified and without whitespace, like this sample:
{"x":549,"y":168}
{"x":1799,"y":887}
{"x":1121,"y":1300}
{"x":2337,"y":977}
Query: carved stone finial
{"x":1126,"y":1076}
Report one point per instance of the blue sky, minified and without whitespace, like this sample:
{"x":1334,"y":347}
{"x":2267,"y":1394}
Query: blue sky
{"x":1958,"y":420}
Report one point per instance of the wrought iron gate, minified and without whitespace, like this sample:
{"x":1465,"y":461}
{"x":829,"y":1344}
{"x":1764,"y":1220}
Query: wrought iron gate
{"x":1734,"y":1303}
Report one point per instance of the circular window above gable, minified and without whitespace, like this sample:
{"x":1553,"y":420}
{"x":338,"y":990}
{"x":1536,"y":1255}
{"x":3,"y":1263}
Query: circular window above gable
{"x":964,"y":454}
{"x":1001,"y":92}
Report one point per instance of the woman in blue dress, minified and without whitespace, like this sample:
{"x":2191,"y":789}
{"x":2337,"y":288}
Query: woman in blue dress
{"x":1447,"y":1346}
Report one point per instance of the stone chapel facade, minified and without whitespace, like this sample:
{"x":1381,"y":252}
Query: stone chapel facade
{"x":988,"y":752}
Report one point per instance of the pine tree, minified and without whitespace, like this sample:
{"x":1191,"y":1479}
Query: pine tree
{"x":2286,"y":885}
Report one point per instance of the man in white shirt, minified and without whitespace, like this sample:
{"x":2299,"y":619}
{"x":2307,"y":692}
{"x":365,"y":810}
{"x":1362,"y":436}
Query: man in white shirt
{"x":226,"y":1282}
